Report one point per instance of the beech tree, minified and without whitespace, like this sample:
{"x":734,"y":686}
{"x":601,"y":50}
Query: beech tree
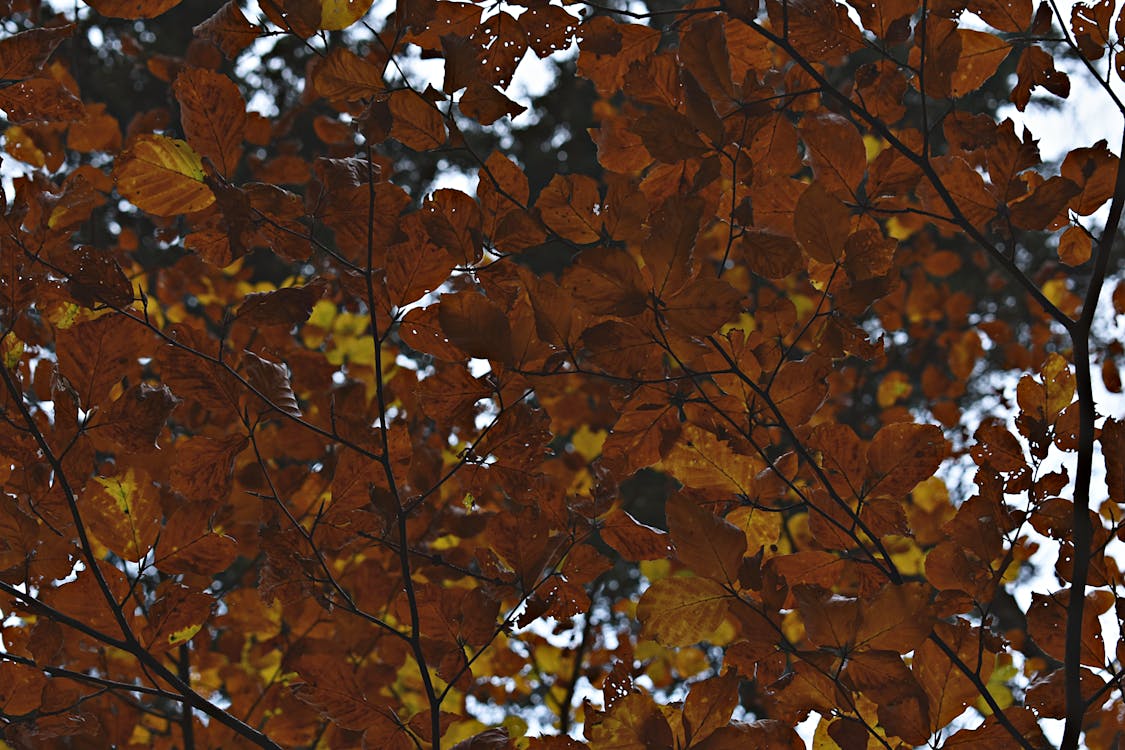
{"x":301,"y":451}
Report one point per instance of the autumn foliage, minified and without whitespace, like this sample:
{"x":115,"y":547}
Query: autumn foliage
{"x":297,"y":452}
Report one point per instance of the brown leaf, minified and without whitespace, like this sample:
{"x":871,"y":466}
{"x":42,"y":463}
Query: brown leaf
{"x":1075,"y":246}
{"x":476,"y":325}
{"x":228,"y":29}
{"x":95,"y":355}
{"x":632,"y":539}
{"x":669,"y":136}
{"x":1041,"y":208}
{"x":204,"y":466}
{"x":24,"y":54}
{"x":823,"y":224}
{"x":417,"y":123}
{"x":709,"y":706}
{"x":188,"y":544}
{"x":416,"y":266}
{"x":836,"y":151}
{"x":133,"y":8}
{"x":288,"y":306}
{"x":769,"y":254}
{"x":705,"y":543}
{"x":213,"y":115}
{"x":570,"y":206}
{"x":343,"y":76}
{"x":1036,"y":67}
{"x":175,"y":617}
{"x":486,"y":104}
{"x":703,"y":51}
{"x":1094,"y":169}
{"x":453,"y":221}
{"x":271,"y":381}
{"x":124,"y":514}
{"x":134,"y":421}
{"x":40,"y":100}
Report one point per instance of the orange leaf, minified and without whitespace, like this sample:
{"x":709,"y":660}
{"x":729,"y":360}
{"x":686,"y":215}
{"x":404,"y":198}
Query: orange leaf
{"x":570,"y":206}
{"x":124,"y":513}
{"x":1094,"y":169}
{"x":903,"y":454}
{"x":643,"y":434}
{"x":1075,"y":246}
{"x":344,"y":76}
{"x":633,"y":723}
{"x":709,"y":706}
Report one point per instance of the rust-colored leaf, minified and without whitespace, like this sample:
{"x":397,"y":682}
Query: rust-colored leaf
{"x":903,"y":454}
{"x":133,"y":8}
{"x":213,"y":115}
{"x":228,"y":29}
{"x":24,"y":54}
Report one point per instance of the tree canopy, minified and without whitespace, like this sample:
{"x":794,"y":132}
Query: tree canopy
{"x":750,"y":375}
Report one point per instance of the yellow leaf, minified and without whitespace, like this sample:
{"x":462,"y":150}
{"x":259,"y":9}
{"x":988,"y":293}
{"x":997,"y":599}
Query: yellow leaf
{"x":183,"y":635}
{"x":162,"y":176}
{"x":761,"y":527}
{"x":683,"y":610}
{"x":340,"y":14}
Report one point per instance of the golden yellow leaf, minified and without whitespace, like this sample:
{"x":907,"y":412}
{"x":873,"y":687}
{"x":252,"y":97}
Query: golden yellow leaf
{"x":162,"y":176}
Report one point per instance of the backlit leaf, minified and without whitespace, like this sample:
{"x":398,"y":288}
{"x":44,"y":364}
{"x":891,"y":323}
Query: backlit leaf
{"x":902,"y":455}
{"x":681,"y":611}
{"x":163,"y":176}
{"x":124,"y":513}
{"x":708,"y":545}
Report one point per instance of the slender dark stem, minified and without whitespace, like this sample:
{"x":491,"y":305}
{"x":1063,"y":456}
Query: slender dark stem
{"x":187,"y":730}
{"x":579,"y":653}
{"x":986,"y":696}
{"x":1087,"y":415}
{"x":432,"y":697}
